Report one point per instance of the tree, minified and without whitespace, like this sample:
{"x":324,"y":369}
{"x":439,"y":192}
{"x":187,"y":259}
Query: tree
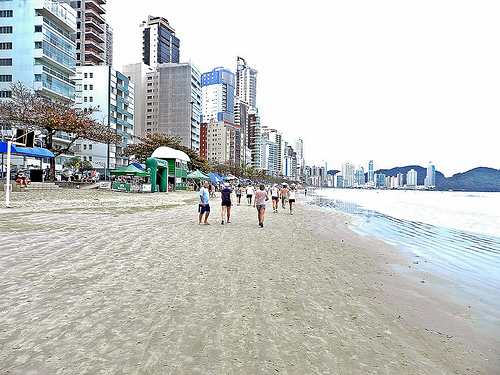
{"x":75,"y":163}
{"x":143,"y":150}
{"x":32,"y":111}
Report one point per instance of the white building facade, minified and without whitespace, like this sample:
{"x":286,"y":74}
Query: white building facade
{"x":111,"y":94}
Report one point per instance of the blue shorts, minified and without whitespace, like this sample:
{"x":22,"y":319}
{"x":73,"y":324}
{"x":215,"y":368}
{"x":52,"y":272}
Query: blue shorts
{"x":202,"y":209}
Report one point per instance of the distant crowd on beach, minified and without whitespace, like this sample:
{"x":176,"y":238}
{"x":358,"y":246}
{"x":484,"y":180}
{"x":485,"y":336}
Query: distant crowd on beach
{"x":256,"y":194}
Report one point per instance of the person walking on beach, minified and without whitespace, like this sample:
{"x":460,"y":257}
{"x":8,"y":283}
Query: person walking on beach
{"x":284,"y":195}
{"x":250,"y":193}
{"x":291,"y":198}
{"x":275,"y":196}
{"x":204,"y":207}
{"x":238,"y":194}
{"x":226,"y":203}
{"x":260,"y":202}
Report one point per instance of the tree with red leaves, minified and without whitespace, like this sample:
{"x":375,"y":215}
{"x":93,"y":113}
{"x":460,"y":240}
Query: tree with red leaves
{"x":30,"y":111}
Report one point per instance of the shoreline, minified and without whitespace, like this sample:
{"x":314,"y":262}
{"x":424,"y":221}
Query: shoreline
{"x":425,"y":264}
{"x":118,"y":282}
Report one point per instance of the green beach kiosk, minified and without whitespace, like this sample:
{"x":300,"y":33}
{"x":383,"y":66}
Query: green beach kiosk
{"x":168,"y":166}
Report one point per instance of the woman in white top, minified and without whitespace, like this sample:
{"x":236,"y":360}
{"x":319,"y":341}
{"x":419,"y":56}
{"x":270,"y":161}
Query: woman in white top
{"x":291,"y":198}
{"x":275,"y":195}
{"x":250,"y":193}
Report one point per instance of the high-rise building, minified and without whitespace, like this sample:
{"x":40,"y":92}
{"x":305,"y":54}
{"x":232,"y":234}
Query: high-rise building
{"x":348,"y":172}
{"x":430,"y":179}
{"x":301,"y":162}
{"x":289,"y":162}
{"x":271,"y":155}
{"x":245,"y":101}
{"x":254,"y":138}
{"x":160,"y":45}
{"x":359,"y":176}
{"x":246,"y":83}
{"x":94,"y":37}
{"x":371,"y":179}
{"x":411,"y":178}
{"x":111,"y":94}
{"x":221,"y":142}
{"x":174,"y":104}
{"x":38,"y":47}
{"x":218,"y":95}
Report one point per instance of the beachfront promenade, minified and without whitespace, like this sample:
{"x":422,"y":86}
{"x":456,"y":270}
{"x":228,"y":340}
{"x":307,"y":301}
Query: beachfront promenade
{"x":114,"y":283}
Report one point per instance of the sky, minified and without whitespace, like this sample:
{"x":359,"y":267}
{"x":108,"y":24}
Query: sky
{"x":394,"y":81}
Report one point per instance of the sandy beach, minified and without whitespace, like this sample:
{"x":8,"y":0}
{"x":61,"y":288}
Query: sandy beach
{"x":99,"y":282}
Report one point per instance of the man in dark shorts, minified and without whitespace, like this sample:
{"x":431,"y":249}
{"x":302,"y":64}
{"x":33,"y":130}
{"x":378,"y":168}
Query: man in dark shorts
{"x":204,"y":207}
{"x":226,"y":203}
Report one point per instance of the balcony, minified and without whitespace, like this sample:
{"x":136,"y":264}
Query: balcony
{"x":90,"y":34}
{"x":93,"y":56}
{"x":95,"y":15}
{"x":93,"y":4}
{"x":90,"y":22}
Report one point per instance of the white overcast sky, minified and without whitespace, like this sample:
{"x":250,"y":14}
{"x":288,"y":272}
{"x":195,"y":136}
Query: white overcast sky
{"x":400,"y":82}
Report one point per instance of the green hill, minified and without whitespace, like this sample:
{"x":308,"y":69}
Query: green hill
{"x":477,"y":179}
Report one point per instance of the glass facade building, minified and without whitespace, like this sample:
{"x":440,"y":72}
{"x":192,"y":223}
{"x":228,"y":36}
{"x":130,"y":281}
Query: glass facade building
{"x":160,"y":45}
{"x":41,"y":52}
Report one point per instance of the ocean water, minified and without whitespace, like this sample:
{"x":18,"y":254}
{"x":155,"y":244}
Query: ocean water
{"x":454,"y":236}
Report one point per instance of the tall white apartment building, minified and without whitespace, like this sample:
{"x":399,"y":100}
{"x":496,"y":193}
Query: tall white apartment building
{"x":111,"y":94}
{"x":349,"y":174}
{"x":411,"y":178}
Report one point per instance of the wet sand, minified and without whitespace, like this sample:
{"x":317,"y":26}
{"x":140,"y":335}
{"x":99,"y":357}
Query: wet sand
{"x":99,"y":282}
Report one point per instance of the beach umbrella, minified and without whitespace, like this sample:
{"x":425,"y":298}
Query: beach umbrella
{"x":216,"y":178}
{"x":198,"y":175}
{"x":130,"y":170}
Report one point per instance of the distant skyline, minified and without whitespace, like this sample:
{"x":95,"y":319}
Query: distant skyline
{"x":401,"y":83}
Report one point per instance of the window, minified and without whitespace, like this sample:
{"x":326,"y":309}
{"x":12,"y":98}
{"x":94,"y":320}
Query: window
{"x":38,"y":45}
{"x":6,"y":78}
{"x":91,"y":75}
{"x":90,"y":158}
{"x":5,"y":29}
{"x":85,"y":75}
{"x":84,"y":146}
{"x":6,"y":45}
{"x":91,"y":87}
{"x":38,"y":28}
{"x":90,"y":147}
{"x":91,"y":98}
{"x":5,"y":62}
{"x":6,"y":13}
{"x":85,"y":87}
{"x":85,"y":99}
{"x":5,"y":94}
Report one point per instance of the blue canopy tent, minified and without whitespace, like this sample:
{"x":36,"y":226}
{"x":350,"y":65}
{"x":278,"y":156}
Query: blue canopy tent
{"x":36,"y":152}
{"x":216,"y":178}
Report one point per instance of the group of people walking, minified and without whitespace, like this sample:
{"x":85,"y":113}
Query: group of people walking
{"x":261,"y":196}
